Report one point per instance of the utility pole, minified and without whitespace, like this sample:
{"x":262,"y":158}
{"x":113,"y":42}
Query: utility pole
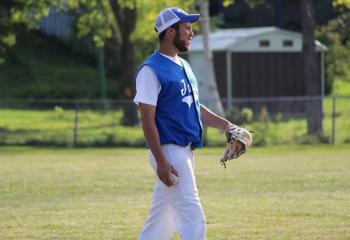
{"x":214,"y":101}
{"x":102,"y":75}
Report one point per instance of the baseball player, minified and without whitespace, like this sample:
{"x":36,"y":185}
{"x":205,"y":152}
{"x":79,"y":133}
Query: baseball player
{"x":171,"y":116}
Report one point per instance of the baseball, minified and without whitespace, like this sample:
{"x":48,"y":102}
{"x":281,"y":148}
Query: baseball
{"x":174,"y":179}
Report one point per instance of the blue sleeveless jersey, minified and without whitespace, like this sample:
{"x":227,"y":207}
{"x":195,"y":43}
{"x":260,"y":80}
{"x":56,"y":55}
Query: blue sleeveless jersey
{"x":178,"y":116}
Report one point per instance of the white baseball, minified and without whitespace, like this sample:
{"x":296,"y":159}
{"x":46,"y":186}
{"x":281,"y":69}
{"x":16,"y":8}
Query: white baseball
{"x":174,"y":179}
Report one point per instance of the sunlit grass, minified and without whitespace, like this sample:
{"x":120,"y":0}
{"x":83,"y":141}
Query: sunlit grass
{"x":284,"y":192}
{"x":56,"y":127}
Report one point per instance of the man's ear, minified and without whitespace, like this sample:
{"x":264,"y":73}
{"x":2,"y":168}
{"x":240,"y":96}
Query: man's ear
{"x":171,"y":32}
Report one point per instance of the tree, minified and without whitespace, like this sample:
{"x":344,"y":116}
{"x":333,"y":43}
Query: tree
{"x":7,"y":35}
{"x":125,"y":17}
{"x":117,"y":22}
{"x":343,"y":21}
{"x":313,"y":106}
{"x":336,"y":36}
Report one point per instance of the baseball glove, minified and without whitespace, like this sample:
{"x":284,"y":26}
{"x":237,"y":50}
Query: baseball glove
{"x":238,"y":141}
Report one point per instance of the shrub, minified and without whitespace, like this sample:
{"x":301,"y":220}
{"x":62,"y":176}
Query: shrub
{"x":239,"y":117}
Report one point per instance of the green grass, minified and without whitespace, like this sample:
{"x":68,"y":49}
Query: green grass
{"x":42,"y":67}
{"x":293,"y":131}
{"x":341,"y":88}
{"x":269,"y":193}
{"x":342,"y":123}
{"x":56,"y":127}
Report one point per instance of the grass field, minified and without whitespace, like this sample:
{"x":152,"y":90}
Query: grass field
{"x":56,"y":127}
{"x":269,"y":193}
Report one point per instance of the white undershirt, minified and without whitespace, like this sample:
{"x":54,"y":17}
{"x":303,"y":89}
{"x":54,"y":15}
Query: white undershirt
{"x":147,"y":84}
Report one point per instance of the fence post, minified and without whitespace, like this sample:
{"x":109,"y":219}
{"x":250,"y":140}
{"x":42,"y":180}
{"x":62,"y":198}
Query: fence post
{"x":333,"y":119}
{"x":75,"y":136}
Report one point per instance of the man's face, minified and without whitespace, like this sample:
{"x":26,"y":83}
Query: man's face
{"x":183,"y":37}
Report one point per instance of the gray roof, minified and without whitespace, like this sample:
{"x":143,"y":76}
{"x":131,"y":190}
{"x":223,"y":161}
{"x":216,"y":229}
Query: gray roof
{"x":223,"y":39}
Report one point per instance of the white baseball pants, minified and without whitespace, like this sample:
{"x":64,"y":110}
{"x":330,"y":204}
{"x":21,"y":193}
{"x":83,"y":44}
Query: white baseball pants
{"x":176,"y":208}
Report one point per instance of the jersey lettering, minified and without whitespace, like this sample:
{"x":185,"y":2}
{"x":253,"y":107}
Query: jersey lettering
{"x":183,"y":89}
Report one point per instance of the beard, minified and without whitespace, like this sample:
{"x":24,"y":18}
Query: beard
{"x":179,"y":44}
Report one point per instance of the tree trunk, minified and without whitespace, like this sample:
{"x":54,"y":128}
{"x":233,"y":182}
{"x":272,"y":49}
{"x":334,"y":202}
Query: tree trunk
{"x":213,"y":98}
{"x":314,"y":106}
{"x":128,"y":76}
{"x":126,"y":20}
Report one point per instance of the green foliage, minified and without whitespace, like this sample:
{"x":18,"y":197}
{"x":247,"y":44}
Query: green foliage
{"x":341,"y":88}
{"x":264,"y":135}
{"x":341,"y":5}
{"x":279,"y":130}
{"x":7,"y":36}
{"x":95,"y":20}
{"x":335,"y":35}
{"x":338,"y":62}
{"x":337,"y":59}
{"x":31,"y":12}
{"x":251,"y":3}
{"x":30,"y":73}
{"x":9,"y":39}
{"x":239,"y":117}
{"x":247,"y":114}
{"x":59,"y":112}
{"x":144,"y":36}
{"x":264,"y":115}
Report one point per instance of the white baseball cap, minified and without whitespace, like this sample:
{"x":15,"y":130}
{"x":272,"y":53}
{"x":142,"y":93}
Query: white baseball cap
{"x":172,"y":15}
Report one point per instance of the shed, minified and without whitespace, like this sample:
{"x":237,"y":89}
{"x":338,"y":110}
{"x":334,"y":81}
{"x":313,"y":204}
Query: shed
{"x":255,"y":62}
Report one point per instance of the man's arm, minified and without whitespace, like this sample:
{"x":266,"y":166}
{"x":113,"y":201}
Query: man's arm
{"x":213,"y":120}
{"x":150,"y":130}
{"x":238,"y":139}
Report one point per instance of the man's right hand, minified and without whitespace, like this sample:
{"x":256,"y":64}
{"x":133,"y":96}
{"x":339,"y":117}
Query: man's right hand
{"x":165,"y":170}
{"x":165,"y":173}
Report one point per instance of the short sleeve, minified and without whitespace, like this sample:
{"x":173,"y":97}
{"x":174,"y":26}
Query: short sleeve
{"x":147,"y":87}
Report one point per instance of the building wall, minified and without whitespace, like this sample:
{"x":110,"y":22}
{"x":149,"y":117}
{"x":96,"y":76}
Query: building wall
{"x":274,"y":74}
{"x":263,"y":74}
{"x":58,"y":25}
{"x":276,"y":41}
{"x":219,"y":59}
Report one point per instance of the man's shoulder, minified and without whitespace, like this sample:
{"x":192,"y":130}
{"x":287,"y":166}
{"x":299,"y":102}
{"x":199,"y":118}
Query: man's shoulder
{"x":145,"y":69}
{"x":150,"y":58}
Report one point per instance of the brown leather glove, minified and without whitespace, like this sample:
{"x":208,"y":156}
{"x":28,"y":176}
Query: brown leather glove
{"x":238,"y":141}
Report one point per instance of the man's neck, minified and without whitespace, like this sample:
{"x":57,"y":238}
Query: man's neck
{"x":168,"y":50}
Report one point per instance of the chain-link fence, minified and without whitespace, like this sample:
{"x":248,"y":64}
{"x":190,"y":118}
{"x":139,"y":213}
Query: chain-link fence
{"x":278,"y":120}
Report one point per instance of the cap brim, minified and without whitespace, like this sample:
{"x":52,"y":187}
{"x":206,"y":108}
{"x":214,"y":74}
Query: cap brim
{"x":189,"y":18}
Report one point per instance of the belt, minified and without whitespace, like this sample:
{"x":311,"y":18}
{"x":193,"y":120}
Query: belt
{"x":192,"y":146}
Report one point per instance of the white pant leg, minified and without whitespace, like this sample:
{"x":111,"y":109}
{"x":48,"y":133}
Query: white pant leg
{"x":161,"y":223}
{"x":182,"y":198}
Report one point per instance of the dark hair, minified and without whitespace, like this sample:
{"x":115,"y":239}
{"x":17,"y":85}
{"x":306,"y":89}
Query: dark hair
{"x":174,"y":26}
{"x":161,"y":35}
